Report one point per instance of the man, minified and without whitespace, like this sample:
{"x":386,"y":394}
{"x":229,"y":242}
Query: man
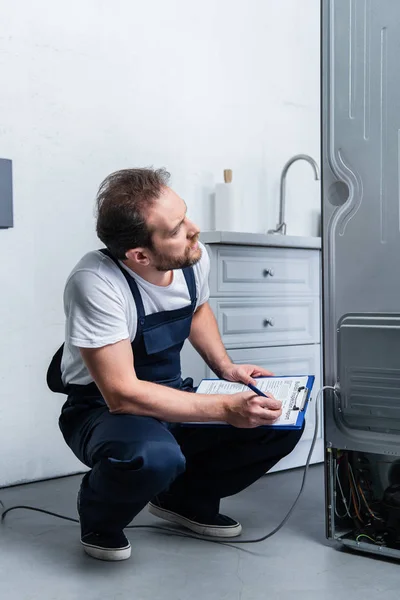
{"x":129,"y":308}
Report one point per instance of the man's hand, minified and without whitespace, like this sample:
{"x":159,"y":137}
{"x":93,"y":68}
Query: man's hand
{"x":247,"y":410}
{"x":244,"y":373}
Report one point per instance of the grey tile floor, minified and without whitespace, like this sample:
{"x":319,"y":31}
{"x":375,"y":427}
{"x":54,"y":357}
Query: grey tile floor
{"x":41,"y":559}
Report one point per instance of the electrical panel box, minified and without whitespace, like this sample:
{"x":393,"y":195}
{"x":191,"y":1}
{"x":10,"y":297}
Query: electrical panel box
{"x":361,"y":272}
{"x":6,"y":194}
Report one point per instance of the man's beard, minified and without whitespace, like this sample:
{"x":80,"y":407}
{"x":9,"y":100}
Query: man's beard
{"x":169,"y":263}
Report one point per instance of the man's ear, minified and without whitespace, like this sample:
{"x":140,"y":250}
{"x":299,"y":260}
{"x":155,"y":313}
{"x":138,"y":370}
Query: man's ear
{"x":138,"y":256}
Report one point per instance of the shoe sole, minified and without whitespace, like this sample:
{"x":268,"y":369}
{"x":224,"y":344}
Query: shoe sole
{"x":199,"y":528}
{"x":110,"y":554}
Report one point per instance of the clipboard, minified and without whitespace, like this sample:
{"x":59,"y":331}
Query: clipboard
{"x":301,"y":405}
{"x":301,"y":401}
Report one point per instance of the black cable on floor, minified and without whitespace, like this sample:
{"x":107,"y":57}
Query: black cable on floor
{"x":202,"y":537}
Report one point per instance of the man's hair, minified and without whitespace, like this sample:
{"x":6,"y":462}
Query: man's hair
{"x":123,"y":200}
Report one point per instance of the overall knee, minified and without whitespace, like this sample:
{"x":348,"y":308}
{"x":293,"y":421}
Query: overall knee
{"x":151,"y":463}
{"x":163,"y":463}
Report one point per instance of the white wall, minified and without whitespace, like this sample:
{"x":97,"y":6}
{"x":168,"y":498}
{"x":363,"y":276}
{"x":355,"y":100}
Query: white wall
{"x":91,"y":87}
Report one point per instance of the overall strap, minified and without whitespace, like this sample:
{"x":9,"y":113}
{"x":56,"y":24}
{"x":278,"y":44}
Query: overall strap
{"x":135,"y":293}
{"x":191,"y":283}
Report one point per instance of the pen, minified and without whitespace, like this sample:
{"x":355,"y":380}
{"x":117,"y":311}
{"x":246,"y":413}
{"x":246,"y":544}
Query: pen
{"x":255,"y":390}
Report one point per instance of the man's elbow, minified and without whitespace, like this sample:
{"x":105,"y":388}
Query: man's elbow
{"x":121,"y":409}
{"x":124,"y":400}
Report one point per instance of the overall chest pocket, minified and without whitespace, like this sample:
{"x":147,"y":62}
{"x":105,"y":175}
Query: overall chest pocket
{"x":159,"y":338}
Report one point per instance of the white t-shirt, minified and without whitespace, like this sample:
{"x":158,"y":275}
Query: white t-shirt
{"x":100,"y":309}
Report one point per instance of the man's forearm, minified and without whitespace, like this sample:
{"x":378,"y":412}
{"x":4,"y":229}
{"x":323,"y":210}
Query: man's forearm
{"x":206,"y":339}
{"x":111,"y":369}
{"x":167,"y":404}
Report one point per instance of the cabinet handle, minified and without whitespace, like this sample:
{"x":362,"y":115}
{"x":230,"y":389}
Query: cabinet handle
{"x":268,"y":322}
{"x":269,"y":272}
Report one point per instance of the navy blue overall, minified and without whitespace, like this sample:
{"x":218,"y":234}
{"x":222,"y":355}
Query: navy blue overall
{"x":134,"y":458}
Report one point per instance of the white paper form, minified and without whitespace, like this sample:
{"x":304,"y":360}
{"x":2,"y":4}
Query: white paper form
{"x":285,"y":389}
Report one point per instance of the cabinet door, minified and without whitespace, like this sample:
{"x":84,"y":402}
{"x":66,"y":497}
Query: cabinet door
{"x":249,"y":271}
{"x":267,"y":321}
{"x":291,"y":360}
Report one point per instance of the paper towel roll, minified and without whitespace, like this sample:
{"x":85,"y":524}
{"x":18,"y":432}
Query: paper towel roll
{"x":227,"y":205}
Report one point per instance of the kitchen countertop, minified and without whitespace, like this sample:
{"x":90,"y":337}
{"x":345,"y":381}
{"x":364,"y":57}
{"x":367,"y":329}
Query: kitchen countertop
{"x":259,"y":239}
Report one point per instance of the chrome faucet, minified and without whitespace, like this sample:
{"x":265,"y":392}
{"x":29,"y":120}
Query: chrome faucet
{"x":281,"y":226}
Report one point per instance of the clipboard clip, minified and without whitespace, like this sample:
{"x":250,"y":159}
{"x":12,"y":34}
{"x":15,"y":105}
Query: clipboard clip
{"x":302,"y":394}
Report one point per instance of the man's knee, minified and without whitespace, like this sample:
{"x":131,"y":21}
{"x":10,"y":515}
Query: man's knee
{"x":164,"y":462}
{"x":160,"y":462}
